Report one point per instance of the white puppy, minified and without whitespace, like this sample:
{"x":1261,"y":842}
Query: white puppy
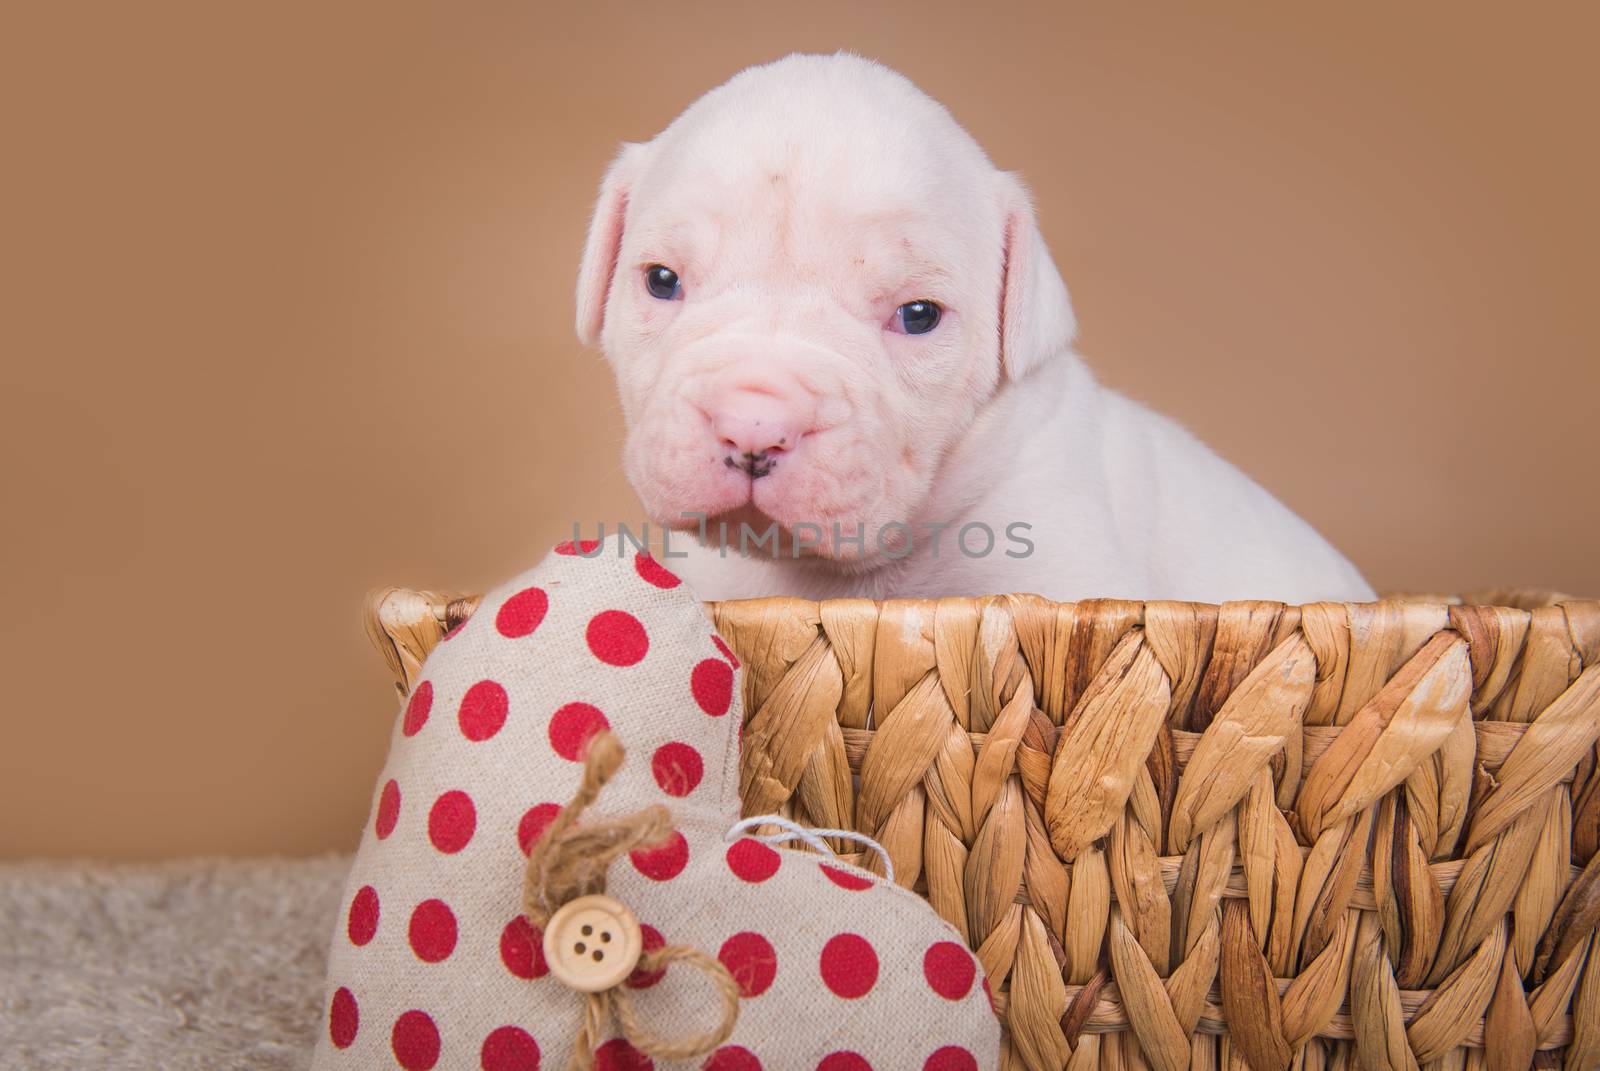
{"x":827,"y":311}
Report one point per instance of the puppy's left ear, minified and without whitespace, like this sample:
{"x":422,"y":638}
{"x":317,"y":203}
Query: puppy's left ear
{"x":604,"y":243}
{"x":1036,"y":320}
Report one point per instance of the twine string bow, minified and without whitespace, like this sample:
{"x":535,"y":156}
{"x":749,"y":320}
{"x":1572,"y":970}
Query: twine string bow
{"x":570,"y":860}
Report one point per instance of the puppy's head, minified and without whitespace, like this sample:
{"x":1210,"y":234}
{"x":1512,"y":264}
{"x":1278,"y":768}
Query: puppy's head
{"x":808,"y":286}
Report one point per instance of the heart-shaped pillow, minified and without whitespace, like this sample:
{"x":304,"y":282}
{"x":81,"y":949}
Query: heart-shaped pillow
{"x":433,"y":964}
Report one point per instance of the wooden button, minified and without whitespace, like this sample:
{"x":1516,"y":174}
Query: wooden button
{"x":592,"y":943}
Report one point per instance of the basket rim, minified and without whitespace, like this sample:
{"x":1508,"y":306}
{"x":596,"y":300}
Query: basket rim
{"x":397,"y":618}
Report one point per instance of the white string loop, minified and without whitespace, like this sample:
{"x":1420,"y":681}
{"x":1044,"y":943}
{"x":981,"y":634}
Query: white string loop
{"x":793,"y":830}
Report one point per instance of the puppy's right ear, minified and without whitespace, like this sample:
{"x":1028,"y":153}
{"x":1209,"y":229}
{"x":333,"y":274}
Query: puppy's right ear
{"x":604,"y":242}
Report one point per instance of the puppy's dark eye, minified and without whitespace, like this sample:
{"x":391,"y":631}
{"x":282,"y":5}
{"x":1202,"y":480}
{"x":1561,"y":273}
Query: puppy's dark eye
{"x":918,"y":317}
{"x":662,"y":282}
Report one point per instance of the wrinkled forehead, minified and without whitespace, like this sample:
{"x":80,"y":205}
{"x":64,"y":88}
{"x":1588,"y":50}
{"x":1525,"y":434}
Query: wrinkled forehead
{"x":891,"y":197}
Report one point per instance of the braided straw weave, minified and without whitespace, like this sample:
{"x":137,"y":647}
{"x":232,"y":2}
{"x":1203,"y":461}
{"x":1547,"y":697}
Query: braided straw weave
{"x":1185,"y":836}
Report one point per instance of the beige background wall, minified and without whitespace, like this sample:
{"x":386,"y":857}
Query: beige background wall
{"x":289,"y":316}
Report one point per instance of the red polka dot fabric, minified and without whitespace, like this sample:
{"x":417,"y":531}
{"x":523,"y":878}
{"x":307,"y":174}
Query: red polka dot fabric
{"x":431,"y":964}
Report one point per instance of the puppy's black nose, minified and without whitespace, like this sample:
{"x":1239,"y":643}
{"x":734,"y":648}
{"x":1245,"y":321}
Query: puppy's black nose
{"x":753,"y":464}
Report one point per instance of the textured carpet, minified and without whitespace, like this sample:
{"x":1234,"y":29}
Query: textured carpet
{"x":196,"y":964}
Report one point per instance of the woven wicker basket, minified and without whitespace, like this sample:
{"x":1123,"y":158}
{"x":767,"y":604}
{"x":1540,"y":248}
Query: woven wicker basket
{"x":1327,"y":836}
